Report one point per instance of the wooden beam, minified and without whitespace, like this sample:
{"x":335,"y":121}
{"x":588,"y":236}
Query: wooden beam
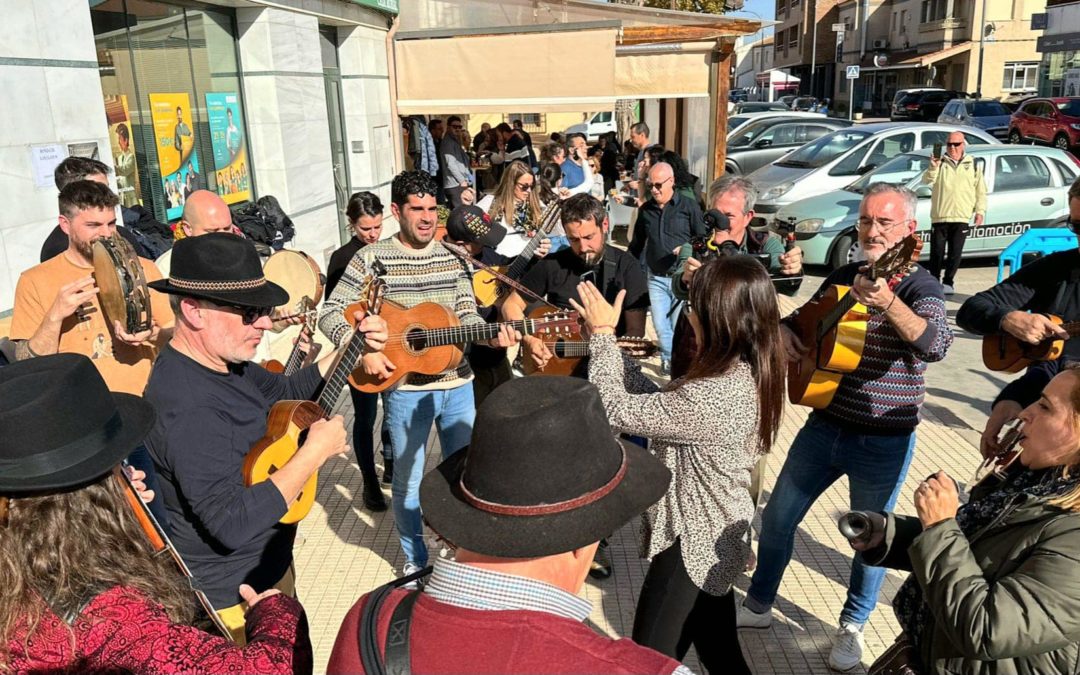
{"x":633,"y":35}
{"x":721,"y":88}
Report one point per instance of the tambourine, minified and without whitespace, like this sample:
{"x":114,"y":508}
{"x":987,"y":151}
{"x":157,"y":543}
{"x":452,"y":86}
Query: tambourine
{"x":123,"y":293}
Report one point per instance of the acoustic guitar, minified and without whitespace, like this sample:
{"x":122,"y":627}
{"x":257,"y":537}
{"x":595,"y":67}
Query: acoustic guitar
{"x":488,"y":288}
{"x":287,"y":425}
{"x":568,"y":351}
{"x":833,"y":329}
{"x":306,"y":350}
{"x":428,"y":339}
{"x":1002,"y":352}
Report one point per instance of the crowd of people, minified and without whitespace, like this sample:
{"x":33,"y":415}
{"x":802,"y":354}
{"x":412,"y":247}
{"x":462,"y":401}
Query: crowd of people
{"x":115,"y":445}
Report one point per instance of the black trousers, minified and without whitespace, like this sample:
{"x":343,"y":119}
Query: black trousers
{"x":673,"y":613}
{"x":946,"y":246}
{"x":365,"y":410}
{"x":487,"y":377}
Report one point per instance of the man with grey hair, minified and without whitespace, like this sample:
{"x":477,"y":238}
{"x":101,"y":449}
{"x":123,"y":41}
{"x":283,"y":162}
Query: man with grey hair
{"x":959,"y":194}
{"x":665,"y":222}
{"x":867,"y":431}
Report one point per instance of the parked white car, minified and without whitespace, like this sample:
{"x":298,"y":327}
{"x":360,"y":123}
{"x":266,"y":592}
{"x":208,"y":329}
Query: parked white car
{"x":598,"y":124}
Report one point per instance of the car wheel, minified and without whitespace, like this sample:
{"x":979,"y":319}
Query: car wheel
{"x":1014,"y":137}
{"x":1061,"y":142}
{"x":843,"y":251}
{"x":731,"y":170}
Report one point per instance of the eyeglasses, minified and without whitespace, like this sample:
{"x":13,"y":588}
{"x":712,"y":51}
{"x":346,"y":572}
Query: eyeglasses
{"x":248,"y":315}
{"x":1073,"y":225}
{"x":883,"y":226}
{"x":955,"y":145}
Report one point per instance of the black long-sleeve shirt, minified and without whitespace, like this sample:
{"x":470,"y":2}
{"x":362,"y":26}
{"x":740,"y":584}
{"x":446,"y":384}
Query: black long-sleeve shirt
{"x":206,"y":422}
{"x":660,"y":232}
{"x":1050,"y":285}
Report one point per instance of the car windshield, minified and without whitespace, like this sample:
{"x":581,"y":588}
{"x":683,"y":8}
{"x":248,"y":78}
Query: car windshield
{"x":1070,"y":107}
{"x":751,"y":132}
{"x":912,"y":97}
{"x":986,"y":109}
{"x":898,"y":170}
{"x":735,"y":121}
{"x":806,"y":100}
{"x":825,"y":149}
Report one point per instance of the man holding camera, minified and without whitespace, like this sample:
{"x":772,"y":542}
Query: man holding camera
{"x":959,"y":192}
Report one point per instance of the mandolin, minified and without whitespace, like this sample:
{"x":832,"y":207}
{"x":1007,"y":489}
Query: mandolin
{"x":995,"y":469}
{"x":568,"y":350}
{"x":161,"y":545}
{"x":306,"y":350}
{"x":489,"y":289}
{"x":833,"y":330}
{"x":428,"y":339}
{"x":288,"y":422}
{"x":1002,"y":352}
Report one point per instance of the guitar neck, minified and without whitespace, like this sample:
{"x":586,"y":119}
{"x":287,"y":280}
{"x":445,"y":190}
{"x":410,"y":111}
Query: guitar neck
{"x":297,"y":355}
{"x":844,"y":306}
{"x":339,"y":374}
{"x":1072,"y":328}
{"x":456,"y":335}
{"x":521,"y":262}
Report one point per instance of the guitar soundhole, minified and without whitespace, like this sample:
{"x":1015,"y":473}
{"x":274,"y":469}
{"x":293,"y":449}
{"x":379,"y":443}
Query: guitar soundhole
{"x":416,"y":340}
{"x":559,"y":350}
{"x":272,"y":469}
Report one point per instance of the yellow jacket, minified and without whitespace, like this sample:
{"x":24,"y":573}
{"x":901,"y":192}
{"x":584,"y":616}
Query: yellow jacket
{"x":959,"y":190}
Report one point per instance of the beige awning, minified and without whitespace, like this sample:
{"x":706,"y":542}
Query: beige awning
{"x":522,"y":72}
{"x":680,"y":72}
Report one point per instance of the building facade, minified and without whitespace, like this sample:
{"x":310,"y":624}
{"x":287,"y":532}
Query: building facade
{"x":1059,"y":51}
{"x":804,"y":44}
{"x":289,"y":98}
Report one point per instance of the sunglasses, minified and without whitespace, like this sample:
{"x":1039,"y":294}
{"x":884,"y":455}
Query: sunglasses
{"x":1073,"y":225}
{"x":524,"y":186}
{"x":249,"y":315}
{"x":955,"y":145}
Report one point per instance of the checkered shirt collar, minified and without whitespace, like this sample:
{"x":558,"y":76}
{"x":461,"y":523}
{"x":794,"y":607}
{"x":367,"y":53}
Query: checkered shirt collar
{"x":475,"y":588}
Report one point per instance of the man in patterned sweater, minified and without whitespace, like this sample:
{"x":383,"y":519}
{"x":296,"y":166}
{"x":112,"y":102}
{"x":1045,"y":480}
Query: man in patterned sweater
{"x":867,"y":432}
{"x":418,"y":269}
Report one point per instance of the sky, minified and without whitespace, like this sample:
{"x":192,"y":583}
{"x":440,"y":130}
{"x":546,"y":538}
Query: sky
{"x":766,"y":9}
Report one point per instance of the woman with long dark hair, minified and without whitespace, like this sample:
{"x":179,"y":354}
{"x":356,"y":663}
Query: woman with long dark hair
{"x":82,"y":590}
{"x":709,"y":427}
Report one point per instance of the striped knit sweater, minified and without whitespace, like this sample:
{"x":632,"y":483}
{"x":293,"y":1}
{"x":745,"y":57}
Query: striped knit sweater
{"x":884,"y":394}
{"x":413,"y":276}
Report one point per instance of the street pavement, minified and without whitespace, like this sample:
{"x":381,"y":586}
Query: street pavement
{"x":345,"y":551}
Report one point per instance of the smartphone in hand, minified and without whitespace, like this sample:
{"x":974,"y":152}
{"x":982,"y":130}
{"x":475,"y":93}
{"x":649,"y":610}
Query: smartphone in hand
{"x":937,"y":150}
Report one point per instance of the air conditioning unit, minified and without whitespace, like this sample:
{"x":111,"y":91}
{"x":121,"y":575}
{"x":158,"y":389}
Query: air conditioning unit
{"x":881,"y":44}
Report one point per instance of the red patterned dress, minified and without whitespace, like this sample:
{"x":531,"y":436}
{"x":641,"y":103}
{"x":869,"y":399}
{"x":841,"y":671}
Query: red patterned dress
{"x":122,"y":630}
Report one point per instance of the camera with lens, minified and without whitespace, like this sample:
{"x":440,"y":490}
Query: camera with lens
{"x":705,"y":249}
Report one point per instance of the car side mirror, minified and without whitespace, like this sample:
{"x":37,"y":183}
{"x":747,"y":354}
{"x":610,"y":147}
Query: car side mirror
{"x":762,"y":143}
{"x":866,"y":168}
{"x":923,"y":192}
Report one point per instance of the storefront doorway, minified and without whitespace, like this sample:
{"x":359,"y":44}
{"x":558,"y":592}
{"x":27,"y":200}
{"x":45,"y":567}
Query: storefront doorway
{"x":336,"y":116}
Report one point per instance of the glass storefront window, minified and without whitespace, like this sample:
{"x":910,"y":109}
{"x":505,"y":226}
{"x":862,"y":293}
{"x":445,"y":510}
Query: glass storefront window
{"x":176,"y":56}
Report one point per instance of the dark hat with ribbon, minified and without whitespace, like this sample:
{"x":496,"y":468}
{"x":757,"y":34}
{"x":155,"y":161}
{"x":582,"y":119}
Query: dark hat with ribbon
{"x":473,"y":224}
{"x":544,"y":474}
{"x":61,"y":427}
{"x":220,"y":267}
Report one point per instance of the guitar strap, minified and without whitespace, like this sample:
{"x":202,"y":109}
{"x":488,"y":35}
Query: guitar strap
{"x":1071,"y":282}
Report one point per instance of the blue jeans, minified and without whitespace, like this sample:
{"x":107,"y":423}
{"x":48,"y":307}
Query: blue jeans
{"x":409,"y":415}
{"x":821,"y":453}
{"x":661,"y":300}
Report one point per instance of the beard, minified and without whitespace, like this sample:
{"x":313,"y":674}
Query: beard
{"x":591,"y":258}
{"x":85,"y":248}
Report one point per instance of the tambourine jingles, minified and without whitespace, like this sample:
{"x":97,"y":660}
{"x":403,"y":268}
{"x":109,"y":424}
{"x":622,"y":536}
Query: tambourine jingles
{"x":298,"y":274}
{"x":123,"y":293}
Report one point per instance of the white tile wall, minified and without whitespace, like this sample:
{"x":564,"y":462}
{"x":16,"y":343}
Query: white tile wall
{"x":25,"y":124}
{"x":63,"y":29}
{"x":316,"y":231}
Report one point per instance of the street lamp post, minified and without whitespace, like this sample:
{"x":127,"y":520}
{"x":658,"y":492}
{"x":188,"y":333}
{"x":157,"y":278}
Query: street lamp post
{"x":813,"y":49}
{"x":982,"y":48}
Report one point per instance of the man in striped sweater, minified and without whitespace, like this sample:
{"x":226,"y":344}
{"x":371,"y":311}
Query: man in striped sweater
{"x":867,"y":432}
{"x":418,"y":269}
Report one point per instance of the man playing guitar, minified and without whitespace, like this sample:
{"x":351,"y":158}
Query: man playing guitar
{"x":212,"y":406}
{"x":589,"y":258}
{"x":867,"y":432}
{"x":418,"y":269}
{"x":1019,"y":307}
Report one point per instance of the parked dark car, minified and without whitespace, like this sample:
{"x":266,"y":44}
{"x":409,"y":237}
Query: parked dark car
{"x":758,"y":106}
{"x":786,"y":100}
{"x":760,"y":143}
{"x":986,"y":114}
{"x":804,"y":103}
{"x":737,"y":95}
{"x":923,"y":105}
{"x":1047,"y":120}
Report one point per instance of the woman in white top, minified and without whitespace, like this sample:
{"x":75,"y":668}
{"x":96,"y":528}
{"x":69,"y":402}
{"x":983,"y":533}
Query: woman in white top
{"x":515,"y":204}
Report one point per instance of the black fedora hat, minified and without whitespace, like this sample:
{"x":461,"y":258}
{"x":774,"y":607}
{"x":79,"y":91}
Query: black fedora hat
{"x":220,"y":267}
{"x":544,"y":474}
{"x":61,"y":427}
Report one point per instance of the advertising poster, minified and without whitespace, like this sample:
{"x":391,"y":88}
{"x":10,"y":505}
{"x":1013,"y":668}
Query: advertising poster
{"x":177,"y":159}
{"x":230,"y":146}
{"x":123,"y":149}
{"x":1072,"y":82}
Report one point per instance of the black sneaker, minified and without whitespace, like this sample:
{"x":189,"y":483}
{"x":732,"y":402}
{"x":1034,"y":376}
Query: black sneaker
{"x":601,"y":564}
{"x":388,"y":471}
{"x":373,"y":498}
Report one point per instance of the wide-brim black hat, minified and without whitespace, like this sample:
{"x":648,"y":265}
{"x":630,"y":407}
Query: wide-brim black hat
{"x":60,"y":426}
{"x":220,"y":267}
{"x":543,"y":474}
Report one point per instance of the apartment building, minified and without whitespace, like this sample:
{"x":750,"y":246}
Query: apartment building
{"x":751,"y":58}
{"x":900,"y":44}
{"x":1059,"y":48}
{"x":804,"y":43}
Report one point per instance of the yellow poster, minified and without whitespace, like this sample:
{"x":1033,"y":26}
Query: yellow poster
{"x":177,"y":158}
{"x":123,"y":150}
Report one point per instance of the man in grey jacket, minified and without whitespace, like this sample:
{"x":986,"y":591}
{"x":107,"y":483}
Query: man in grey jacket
{"x":457,"y":178}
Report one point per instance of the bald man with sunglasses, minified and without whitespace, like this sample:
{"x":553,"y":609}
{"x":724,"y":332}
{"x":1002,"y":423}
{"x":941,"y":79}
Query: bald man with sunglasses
{"x":959,"y":194}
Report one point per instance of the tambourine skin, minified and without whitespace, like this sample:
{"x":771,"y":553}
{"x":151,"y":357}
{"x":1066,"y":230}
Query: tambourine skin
{"x":299,"y":275}
{"x":122,"y":289}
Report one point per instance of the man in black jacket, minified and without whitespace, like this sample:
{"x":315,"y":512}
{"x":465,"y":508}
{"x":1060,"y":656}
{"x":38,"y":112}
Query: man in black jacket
{"x":665,"y":222}
{"x":1019,"y":306}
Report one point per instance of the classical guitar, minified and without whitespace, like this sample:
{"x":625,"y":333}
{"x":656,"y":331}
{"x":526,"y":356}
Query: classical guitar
{"x":568,"y":351}
{"x":487,"y":288}
{"x":161,"y":545}
{"x":287,"y":425}
{"x":428,"y":339}
{"x":1004,"y":353}
{"x":833,"y":329}
{"x":306,"y":350}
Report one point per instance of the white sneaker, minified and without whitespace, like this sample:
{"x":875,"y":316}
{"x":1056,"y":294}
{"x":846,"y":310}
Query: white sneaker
{"x":848,"y":650}
{"x":748,"y":618}
{"x":411,"y":568}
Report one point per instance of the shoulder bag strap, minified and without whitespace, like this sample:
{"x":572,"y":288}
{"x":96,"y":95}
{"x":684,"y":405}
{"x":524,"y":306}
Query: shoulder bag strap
{"x":368,"y":630}
{"x":398,"y":658}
